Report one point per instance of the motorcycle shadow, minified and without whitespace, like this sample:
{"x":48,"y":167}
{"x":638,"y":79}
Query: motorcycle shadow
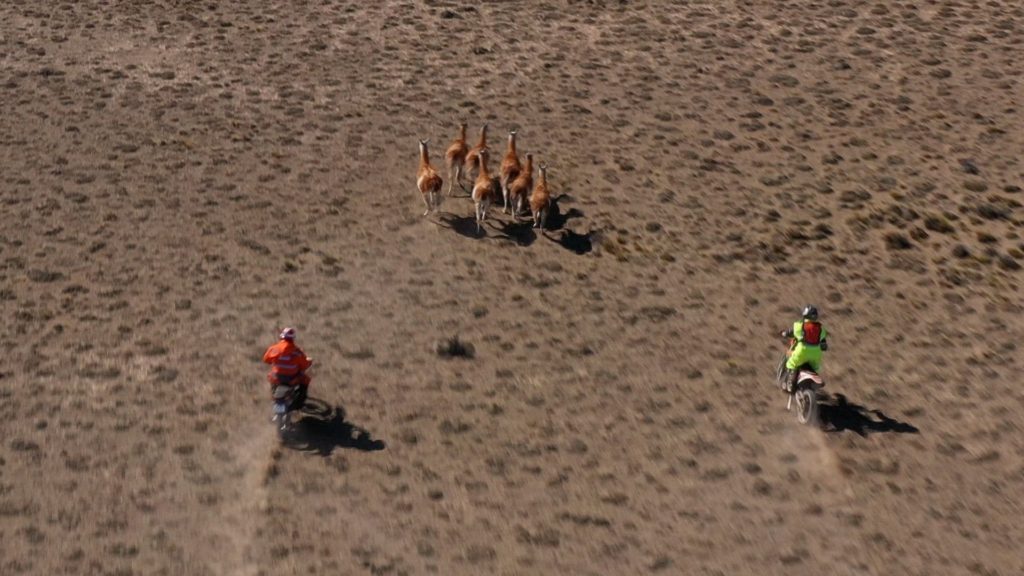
{"x":322,"y":428}
{"x":838,"y":414}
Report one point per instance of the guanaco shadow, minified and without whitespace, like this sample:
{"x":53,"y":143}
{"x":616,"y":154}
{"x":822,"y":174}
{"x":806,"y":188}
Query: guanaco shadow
{"x":463,"y":225}
{"x":519,"y":231}
{"x":839,"y":414}
{"x":570,"y":240}
{"x":322,"y":428}
{"x":575,"y":242}
{"x":557,"y":219}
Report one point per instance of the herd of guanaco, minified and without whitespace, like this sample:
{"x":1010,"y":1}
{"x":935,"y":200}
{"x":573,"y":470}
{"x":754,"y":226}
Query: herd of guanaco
{"x":514,"y":182}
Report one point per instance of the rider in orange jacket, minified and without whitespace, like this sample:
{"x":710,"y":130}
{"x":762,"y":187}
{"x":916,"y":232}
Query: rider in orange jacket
{"x":288,"y":363}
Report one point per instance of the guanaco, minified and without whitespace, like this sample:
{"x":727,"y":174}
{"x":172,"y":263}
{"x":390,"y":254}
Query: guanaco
{"x":428,"y":181}
{"x":455,"y":158}
{"x":472,"y":157}
{"x":540,"y":200}
{"x":519,"y":188}
{"x":510,"y":168}
{"x":483,"y":190}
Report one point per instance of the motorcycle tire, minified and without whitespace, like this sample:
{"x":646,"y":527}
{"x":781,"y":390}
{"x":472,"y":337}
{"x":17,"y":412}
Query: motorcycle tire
{"x":806,"y":406}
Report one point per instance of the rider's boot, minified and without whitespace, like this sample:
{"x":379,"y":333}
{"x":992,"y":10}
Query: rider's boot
{"x":791,"y":381}
{"x":786,"y":381}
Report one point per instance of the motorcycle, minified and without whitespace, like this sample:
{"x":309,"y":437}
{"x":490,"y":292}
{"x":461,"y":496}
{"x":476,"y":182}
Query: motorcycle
{"x":288,"y":397}
{"x":804,"y":393}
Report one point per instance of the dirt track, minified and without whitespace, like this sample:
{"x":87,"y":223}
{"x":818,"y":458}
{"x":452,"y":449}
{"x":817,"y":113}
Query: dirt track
{"x":178,"y":180}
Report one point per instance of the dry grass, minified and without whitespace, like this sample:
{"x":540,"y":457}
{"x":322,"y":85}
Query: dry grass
{"x":180,"y":181}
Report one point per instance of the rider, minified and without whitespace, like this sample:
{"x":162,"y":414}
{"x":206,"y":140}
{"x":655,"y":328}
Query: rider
{"x":808,"y":342}
{"x":288,"y":365}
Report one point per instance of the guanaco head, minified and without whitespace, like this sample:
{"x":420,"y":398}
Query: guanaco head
{"x":482,"y":157}
{"x":462,"y":130}
{"x":543,"y":170}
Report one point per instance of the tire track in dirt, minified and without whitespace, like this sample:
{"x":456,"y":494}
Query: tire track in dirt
{"x":232,"y":533}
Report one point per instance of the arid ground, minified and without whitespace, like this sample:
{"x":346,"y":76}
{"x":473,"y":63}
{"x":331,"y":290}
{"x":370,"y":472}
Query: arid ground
{"x":180,"y":179}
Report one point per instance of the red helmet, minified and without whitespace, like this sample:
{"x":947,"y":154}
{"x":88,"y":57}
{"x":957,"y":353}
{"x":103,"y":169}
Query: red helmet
{"x":288,"y":334}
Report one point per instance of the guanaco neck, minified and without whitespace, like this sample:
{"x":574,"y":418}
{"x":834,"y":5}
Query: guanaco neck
{"x":483,"y":138}
{"x":482,"y":158}
{"x":462,"y":133}
{"x":512,"y":143}
{"x":528,"y":165}
{"x":424,"y":159}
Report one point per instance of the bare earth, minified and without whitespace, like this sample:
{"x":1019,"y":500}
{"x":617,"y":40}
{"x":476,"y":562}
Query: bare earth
{"x":179,"y":179}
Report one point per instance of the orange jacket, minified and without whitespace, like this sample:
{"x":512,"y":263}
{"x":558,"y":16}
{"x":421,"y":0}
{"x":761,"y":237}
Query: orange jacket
{"x":286,"y":358}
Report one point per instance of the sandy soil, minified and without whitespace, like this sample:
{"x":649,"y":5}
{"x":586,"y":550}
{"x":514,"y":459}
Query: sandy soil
{"x":180,"y":179}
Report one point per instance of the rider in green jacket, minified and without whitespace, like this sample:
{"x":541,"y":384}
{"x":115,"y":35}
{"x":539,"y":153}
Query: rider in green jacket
{"x":809,"y":340}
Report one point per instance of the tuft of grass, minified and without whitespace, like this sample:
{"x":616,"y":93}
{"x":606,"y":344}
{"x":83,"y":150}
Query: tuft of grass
{"x":453,"y":347}
{"x":938,"y":223}
{"x":897,"y":241}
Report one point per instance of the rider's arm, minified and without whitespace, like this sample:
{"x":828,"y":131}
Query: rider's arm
{"x":270,"y":355}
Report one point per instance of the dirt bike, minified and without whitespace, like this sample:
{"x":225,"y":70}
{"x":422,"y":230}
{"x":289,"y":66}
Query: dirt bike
{"x":288,"y":397}
{"x":804,"y":394}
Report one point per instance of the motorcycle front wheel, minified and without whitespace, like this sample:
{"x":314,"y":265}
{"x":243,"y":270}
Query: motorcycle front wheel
{"x":806,"y":406}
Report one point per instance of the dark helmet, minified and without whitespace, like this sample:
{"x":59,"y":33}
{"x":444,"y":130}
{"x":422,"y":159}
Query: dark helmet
{"x":810,"y":313}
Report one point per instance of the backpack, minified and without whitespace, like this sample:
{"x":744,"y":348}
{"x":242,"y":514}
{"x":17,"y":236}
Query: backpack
{"x":812,"y":333}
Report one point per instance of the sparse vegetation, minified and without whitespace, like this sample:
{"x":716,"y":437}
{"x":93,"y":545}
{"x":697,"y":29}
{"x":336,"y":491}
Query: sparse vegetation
{"x":453,"y":347}
{"x":938,"y":223}
{"x":181,"y":179}
{"x":897,"y":241}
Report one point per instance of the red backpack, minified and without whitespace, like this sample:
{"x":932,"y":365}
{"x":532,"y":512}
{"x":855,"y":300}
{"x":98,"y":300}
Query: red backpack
{"x":812,"y":333}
